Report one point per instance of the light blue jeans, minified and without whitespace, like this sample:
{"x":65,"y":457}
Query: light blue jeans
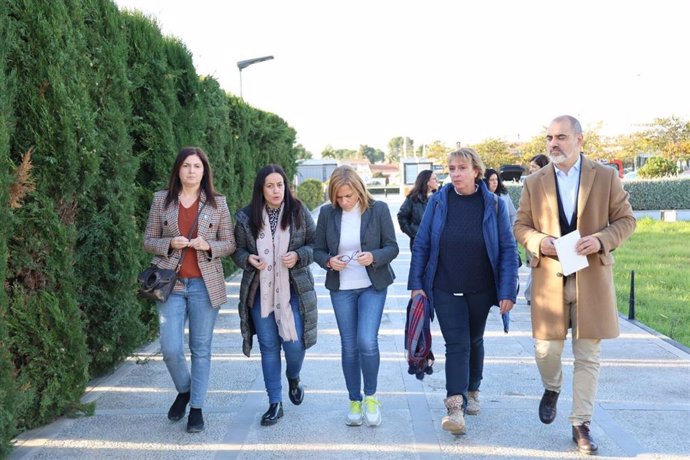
{"x":358,"y":313}
{"x":270,"y":343}
{"x":193,"y":304}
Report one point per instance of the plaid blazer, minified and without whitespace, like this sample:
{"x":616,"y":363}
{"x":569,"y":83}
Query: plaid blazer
{"x":215,"y":226}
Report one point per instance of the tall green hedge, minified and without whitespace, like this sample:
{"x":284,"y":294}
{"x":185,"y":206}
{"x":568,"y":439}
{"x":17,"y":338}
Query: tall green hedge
{"x":645,"y":195}
{"x":105,"y":102}
{"x":53,"y":114}
{"x":8,"y":389}
{"x":108,"y":242}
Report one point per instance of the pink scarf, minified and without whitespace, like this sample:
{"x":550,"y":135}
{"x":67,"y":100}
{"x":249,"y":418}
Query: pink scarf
{"x":274,"y":280}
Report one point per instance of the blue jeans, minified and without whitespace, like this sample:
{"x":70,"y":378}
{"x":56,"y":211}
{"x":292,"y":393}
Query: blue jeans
{"x":194,"y":304}
{"x":270,"y":343}
{"x":462,"y":320}
{"x":358,"y":313}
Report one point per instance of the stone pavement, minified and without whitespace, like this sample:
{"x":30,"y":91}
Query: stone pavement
{"x":642,"y":411}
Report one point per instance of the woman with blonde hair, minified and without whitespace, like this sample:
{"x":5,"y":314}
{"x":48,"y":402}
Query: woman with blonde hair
{"x":464,"y":260}
{"x":355,"y":242}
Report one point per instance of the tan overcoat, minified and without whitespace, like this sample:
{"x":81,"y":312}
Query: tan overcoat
{"x":603,"y":210}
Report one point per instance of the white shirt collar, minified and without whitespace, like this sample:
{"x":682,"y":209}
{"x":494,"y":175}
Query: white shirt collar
{"x":575,"y":168}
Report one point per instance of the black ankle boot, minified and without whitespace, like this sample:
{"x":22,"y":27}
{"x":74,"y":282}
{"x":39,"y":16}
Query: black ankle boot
{"x":274,"y":412}
{"x":179,"y":407}
{"x":195,"y":421}
{"x":296,"y":392}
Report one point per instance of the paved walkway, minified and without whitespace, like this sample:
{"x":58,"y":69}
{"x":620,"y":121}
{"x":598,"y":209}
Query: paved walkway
{"x":643,"y":407}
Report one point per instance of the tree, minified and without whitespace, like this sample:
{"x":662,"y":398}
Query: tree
{"x":399,"y":147}
{"x":301,"y":153}
{"x":594,"y":147}
{"x":437,"y":152}
{"x":631,"y":145}
{"x":370,"y":153}
{"x":494,"y":153}
{"x":532,"y":148}
{"x":657,"y":167}
{"x":339,"y":154}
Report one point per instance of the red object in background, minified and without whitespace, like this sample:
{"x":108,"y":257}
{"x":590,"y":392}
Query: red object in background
{"x":617,"y":164}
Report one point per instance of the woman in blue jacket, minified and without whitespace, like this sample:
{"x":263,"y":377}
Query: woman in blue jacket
{"x":476,"y":269}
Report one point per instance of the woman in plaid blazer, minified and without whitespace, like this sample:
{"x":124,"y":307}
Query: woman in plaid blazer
{"x":173,"y":229}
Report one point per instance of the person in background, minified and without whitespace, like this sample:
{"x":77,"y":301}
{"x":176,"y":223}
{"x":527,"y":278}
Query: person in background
{"x":464,"y":260}
{"x":573,"y":194}
{"x":495,"y":185}
{"x":412,"y":209}
{"x":355,"y":243}
{"x":535,"y":164}
{"x":274,"y":237}
{"x":200,"y":287}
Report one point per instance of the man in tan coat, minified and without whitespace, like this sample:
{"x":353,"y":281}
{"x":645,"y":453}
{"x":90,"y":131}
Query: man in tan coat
{"x":573,"y":193}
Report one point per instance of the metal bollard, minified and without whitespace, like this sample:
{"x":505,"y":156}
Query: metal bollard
{"x":631,"y":301}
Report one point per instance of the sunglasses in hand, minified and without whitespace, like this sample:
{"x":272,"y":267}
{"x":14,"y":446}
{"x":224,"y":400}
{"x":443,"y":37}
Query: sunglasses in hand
{"x":347,"y":259}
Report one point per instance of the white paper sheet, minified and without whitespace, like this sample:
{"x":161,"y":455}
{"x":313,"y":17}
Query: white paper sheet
{"x":570,"y":260}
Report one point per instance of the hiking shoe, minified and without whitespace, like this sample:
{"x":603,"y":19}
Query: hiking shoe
{"x":472,"y":403}
{"x":354,"y":417}
{"x":372,"y":411}
{"x":179,"y":407}
{"x":454,"y":422}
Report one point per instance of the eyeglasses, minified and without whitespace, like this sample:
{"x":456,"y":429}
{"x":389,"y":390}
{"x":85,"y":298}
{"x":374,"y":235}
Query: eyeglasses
{"x":347,"y":259}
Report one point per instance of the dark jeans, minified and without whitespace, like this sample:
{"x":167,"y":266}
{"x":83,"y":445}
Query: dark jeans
{"x":462,"y":320}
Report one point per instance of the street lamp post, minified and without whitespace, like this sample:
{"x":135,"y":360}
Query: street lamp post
{"x":246,"y":63}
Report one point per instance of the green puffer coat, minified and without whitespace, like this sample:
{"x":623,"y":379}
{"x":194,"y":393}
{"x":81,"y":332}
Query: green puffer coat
{"x":301,"y":278}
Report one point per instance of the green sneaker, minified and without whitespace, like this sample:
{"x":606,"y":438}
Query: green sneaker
{"x":372,"y":411}
{"x":354,"y":417}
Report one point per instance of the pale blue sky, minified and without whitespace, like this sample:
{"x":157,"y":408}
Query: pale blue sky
{"x":361,"y":72}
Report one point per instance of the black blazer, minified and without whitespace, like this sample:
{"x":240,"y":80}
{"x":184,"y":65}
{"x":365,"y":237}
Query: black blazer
{"x":377,"y":235}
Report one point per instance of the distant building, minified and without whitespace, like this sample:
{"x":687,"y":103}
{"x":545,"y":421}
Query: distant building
{"x":388,"y":171}
{"x":316,"y":168}
{"x":410,"y":168}
{"x":363,"y":168}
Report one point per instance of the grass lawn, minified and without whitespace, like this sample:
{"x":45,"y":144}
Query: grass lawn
{"x":659,"y":253}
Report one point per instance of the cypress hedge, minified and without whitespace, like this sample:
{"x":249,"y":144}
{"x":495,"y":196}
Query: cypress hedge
{"x":109,"y":242}
{"x":46,"y":327}
{"x":8,"y":389}
{"x":91,"y":130}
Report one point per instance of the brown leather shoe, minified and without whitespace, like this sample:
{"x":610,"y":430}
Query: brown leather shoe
{"x":583,"y":439}
{"x":547,"y":406}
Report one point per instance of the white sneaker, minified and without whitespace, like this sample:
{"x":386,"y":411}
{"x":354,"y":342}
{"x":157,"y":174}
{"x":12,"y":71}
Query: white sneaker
{"x":372,"y":411}
{"x":354,"y":417}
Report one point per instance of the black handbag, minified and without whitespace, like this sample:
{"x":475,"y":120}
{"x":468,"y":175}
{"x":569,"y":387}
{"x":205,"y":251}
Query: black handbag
{"x":157,"y":283}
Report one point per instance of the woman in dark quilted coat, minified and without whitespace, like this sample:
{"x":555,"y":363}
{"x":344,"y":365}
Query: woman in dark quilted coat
{"x":274,"y":237}
{"x":412,"y":209}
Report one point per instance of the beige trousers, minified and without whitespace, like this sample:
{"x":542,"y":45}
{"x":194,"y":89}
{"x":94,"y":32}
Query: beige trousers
{"x":586,"y":367}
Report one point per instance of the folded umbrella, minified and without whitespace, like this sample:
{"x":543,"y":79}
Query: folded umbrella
{"x":420,"y":358}
{"x":506,"y":321}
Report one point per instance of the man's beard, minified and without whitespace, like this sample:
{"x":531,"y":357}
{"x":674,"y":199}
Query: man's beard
{"x":559,"y":158}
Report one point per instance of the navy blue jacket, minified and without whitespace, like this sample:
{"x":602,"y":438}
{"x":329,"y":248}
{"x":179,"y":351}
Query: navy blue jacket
{"x":498,"y":237}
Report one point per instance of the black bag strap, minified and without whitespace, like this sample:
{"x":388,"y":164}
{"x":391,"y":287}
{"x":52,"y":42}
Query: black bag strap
{"x":189,"y":236}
